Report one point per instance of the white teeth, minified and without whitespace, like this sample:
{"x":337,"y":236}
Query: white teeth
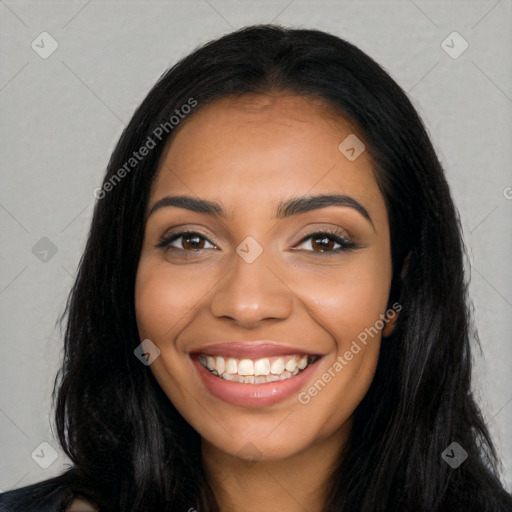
{"x":291,"y":365}
{"x":231,"y":366}
{"x":277,"y":366}
{"x":259,"y":371}
{"x":246,"y":367}
{"x":262,"y":367}
{"x":210,"y":363}
{"x":220,"y":365}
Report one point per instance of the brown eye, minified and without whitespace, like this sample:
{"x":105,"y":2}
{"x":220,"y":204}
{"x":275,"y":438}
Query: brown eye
{"x":325,"y":243}
{"x":193,"y":242}
{"x":190,"y":242}
{"x":322,"y":243}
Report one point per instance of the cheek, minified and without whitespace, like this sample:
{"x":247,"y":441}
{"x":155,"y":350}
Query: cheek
{"x":165,"y":299}
{"x":348,"y":299}
{"x":153,"y":298}
{"x":163,"y":303}
{"x":348,"y":304}
{"x":352,"y":317}
{"x":356,"y":307}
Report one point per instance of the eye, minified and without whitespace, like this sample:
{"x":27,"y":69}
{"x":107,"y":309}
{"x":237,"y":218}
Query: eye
{"x":324,"y":242}
{"x":191,"y":241}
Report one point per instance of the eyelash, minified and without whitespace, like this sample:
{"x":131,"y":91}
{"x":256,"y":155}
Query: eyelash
{"x":344,"y":243}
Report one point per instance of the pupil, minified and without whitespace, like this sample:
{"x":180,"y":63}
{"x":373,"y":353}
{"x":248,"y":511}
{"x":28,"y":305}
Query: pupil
{"x":325,"y":243}
{"x":192,"y":245}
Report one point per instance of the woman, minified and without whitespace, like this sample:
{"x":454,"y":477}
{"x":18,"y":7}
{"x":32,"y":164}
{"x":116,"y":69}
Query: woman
{"x":271,"y":310}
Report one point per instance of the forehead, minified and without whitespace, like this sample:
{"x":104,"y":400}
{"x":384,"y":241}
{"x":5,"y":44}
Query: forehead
{"x":257,"y":145}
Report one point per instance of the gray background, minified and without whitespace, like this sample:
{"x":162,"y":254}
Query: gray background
{"x":62,"y":115}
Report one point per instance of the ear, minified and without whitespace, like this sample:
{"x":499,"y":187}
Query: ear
{"x":393,"y":311}
{"x":391,"y":319}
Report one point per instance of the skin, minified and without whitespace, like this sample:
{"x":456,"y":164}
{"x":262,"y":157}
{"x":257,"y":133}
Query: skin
{"x":249,"y":153}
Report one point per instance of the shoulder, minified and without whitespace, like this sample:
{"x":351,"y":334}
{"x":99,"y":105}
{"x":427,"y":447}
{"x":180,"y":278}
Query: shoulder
{"x":53,"y":495}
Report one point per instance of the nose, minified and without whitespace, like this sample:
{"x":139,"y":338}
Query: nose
{"x":251,"y":293}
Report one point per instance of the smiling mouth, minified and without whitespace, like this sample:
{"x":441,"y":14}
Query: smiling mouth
{"x":256,"y":371}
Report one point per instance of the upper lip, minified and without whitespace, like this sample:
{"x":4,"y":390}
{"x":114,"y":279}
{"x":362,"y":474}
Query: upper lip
{"x":250,"y":349}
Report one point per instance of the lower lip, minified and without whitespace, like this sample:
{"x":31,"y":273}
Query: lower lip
{"x":253,"y":395}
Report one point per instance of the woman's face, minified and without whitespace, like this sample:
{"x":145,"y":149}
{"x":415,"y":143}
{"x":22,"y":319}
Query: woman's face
{"x":270,"y":280}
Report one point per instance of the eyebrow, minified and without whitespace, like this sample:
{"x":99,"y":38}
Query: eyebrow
{"x":288,"y":208}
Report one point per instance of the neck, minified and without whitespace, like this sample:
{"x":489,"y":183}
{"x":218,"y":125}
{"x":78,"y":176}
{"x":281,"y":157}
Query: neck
{"x":293,"y":484}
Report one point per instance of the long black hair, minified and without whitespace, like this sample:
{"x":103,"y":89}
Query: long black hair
{"x":132,"y":450}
